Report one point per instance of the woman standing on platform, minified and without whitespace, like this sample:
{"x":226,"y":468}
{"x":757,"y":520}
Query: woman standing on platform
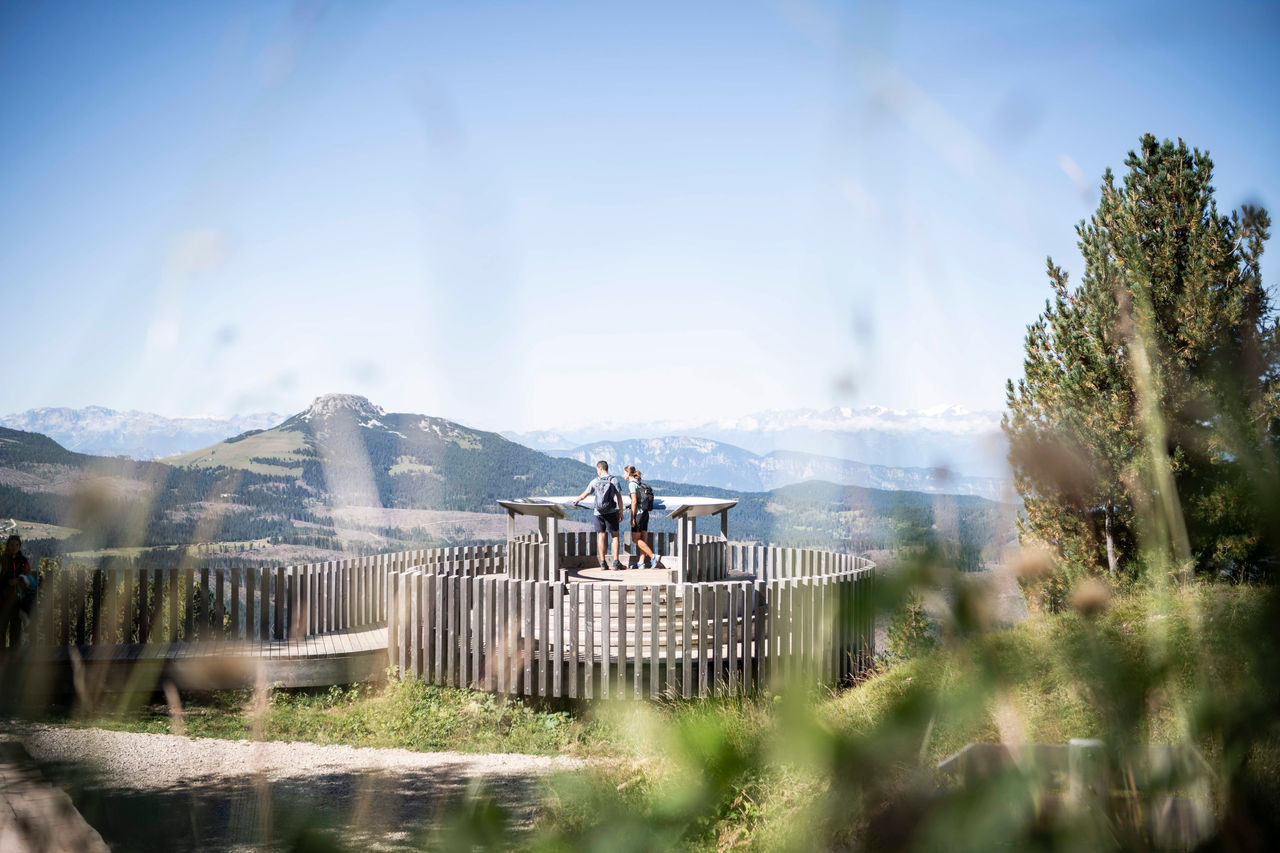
{"x":641,"y":503}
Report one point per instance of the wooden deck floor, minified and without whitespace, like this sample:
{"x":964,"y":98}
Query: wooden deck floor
{"x":637,"y":575}
{"x":626,"y":576}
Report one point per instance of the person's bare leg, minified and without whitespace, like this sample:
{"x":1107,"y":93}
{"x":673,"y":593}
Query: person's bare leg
{"x":642,"y":542}
{"x":602,"y":545}
{"x":617,"y":540}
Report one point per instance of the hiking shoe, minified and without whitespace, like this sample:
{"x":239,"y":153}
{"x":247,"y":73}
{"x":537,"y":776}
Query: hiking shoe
{"x":617,"y":567}
{"x":604,"y":565}
{"x":657,"y":563}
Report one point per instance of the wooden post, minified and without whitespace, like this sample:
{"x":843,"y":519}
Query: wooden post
{"x":734,"y":636}
{"x":541,"y":590}
{"x":503,"y":650}
{"x":705,"y":600}
{"x":466,"y":607}
{"x":125,"y":607}
{"x":515,"y":644}
{"x":622,"y":641}
{"x":606,"y":638}
{"x":653,"y":641}
{"x":527,"y":608}
{"x":235,"y":602}
{"x":278,"y":633}
{"x":428,"y":626}
{"x":686,"y":632}
{"x":220,"y":604}
{"x":718,"y":617}
{"x":589,"y":608}
{"x":264,"y":604}
{"x":482,"y":642}
{"x":1088,"y":786}
{"x":748,"y":635}
{"x":99,"y":584}
{"x":684,"y":575}
{"x":557,"y":630}
{"x":395,"y":642}
{"x":553,"y":548}
{"x":61,"y":588}
{"x":575,"y":594}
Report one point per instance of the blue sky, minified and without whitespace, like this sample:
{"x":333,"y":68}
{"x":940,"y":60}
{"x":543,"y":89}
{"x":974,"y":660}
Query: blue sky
{"x":524,"y":215}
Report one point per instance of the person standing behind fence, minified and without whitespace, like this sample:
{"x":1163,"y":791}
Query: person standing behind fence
{"x":17,"y":590}
{"x":641,"y":503}
{"x":608,"y":511}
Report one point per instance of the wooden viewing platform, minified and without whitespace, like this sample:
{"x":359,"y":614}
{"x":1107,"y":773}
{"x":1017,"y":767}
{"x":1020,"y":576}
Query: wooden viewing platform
{"x":724,"y":617}
{"x":536,"y":616}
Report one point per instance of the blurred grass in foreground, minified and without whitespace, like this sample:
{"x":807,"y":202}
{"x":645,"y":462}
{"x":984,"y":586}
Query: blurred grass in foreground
{"x":812,"y":769}
{"x":855,"y":771}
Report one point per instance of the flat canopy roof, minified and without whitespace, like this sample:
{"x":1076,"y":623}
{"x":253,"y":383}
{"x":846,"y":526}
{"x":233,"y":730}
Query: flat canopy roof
{"x":557,"y":506}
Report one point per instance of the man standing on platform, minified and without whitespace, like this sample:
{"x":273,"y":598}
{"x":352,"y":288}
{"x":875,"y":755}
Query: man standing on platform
{"x":608,"y":512}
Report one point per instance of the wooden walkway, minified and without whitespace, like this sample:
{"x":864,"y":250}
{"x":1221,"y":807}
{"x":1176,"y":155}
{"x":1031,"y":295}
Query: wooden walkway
{"x":341,"y":657}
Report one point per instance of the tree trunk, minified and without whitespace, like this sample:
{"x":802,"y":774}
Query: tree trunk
{"x":1111,"y":542}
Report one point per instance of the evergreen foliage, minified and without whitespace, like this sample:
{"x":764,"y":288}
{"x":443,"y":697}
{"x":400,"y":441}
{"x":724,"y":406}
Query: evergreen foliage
{"x":909,"y":634}
{"x":1149,"y":400}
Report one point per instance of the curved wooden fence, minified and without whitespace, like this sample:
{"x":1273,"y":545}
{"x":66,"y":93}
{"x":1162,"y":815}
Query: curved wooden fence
{"x":483,"y":617}
{"x":117,"y":605}
{"x":783,"y":615}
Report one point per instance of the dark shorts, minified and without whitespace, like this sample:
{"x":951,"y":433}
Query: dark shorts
{"x":609,"y":522}
{"x":640,"y":522}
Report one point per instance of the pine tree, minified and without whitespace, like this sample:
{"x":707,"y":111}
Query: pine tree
{"x":1148,"y":403}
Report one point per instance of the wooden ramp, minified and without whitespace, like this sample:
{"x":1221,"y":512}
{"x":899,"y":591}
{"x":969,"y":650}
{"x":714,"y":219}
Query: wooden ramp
{"x":342,"y":657}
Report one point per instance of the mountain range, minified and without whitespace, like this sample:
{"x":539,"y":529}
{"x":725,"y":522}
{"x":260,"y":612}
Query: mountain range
{"x":138,"y":435}
{"x":968,"y":443}
{"x":946,"y":450}
{"x":344,"y":474}
{"x":701,"y":461}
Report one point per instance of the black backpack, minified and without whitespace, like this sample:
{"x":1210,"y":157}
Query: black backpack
{"x":644,"y":497}
{"x":606,"y":492}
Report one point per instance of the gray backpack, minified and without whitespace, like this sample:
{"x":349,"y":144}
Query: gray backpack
{"x":605,"y":492}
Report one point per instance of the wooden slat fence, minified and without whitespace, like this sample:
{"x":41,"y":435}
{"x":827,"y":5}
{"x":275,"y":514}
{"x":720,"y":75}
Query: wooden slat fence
{"x":458,"y":616}
{"x":586,"y":640}
{"x":125,"y":604}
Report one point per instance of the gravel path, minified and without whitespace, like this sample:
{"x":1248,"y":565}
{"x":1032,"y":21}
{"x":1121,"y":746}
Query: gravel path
{"x":164,"y":792}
